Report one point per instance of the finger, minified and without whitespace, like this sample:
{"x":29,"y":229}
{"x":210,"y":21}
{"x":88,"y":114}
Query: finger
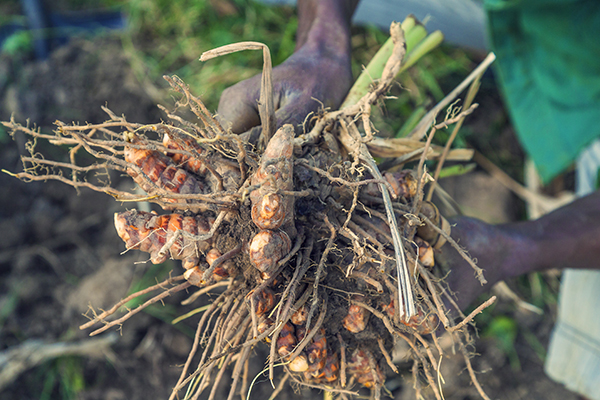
{"x":292,"y":113}
{"x":238,"y":107}
{"x":252,"y":135}
{"x":296,"y":113}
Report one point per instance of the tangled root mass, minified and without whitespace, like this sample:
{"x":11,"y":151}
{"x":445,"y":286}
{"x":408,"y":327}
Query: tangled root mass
{"x":296,"y":234}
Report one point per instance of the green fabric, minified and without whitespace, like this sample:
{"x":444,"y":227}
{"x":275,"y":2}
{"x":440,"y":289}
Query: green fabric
{"x":548,"y":63}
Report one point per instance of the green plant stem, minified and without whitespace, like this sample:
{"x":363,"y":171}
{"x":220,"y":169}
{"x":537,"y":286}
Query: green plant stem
{"x":413,"y":34}
{"x":432,"y":41}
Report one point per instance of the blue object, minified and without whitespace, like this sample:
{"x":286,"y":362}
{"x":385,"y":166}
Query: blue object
{"x":50,"y":30}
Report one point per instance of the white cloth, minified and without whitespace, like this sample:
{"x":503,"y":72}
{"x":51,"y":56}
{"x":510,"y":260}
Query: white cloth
{"x":574,"y":351}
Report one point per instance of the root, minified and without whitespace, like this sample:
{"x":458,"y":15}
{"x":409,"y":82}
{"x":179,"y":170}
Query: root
{"x":324,"y":388}
{"x":204,"y":290}
{"x":113,"y":309}
{"x":256,"y":220}
{"x":131,"y":313}
{"x":198,"y":338}
{"x":468,"y":319}
{"x":472,"y":372}
{"x":385,"y":353}
{"x":459,"y":250}
{"x":313,"y":331}
{"x":320,"y":268}
{"x":280,"y":386}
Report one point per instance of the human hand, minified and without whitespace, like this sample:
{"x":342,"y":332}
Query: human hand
{"x":566,"y":238}
{"x":307,"y":81}
{"x":491,"y":246}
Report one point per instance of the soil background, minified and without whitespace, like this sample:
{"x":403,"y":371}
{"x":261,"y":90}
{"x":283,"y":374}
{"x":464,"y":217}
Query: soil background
{"x":59,"y":253}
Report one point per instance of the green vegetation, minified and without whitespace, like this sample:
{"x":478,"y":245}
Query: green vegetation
{"x":61,"y":378}
{"x":503,"y":330}
{"x":18,"y":42}
{"x":168,"y":37}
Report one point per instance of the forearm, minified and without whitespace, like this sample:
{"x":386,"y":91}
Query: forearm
{"x":566,"y":238}
{"x":325,"y":24}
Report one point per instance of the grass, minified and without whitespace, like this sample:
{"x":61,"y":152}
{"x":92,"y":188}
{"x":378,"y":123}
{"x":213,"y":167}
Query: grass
{"x":60,"y":379}
{"x":169,"y":36}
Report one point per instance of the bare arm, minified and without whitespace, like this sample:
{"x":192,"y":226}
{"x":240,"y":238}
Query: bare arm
{"x":326,"y":22}
{"x":566,"y":238}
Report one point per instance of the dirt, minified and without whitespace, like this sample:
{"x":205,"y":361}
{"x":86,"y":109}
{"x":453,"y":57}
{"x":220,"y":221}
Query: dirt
{"x":59,"y":253}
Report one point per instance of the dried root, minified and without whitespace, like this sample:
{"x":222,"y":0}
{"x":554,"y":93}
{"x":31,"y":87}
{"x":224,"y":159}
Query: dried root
{"x":322,"y":257}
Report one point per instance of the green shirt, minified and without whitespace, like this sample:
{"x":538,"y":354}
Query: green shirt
{"x":548,"y":63}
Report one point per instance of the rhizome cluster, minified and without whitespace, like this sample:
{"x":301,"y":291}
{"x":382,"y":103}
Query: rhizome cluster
{"x":297,"y":234}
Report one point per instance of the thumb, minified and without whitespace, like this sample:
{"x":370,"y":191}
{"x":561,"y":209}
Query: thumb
{"x":238,"y":109}
{"x":292,"y":113}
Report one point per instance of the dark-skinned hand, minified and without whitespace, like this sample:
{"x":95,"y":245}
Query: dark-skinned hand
{"x":568,"y":237}
{"x":317,"y":75}
{"x":308,"y":80}
{"x":486,"y":244}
